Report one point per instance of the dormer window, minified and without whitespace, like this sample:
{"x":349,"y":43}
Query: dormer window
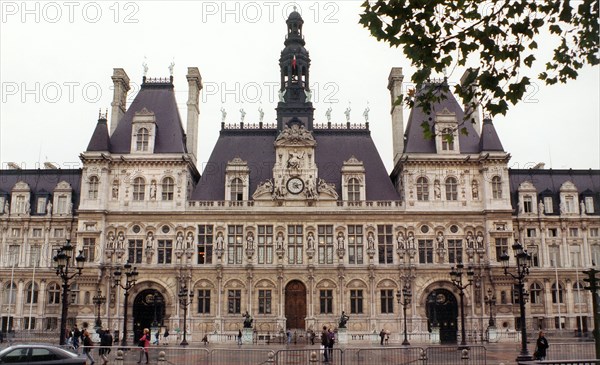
{"x":93,"y":188}
{"x":167,"y":188}
{"x":496,"y":187}
{"x":142,"y":140}
{"x":451,"y":189}
{"x":237,"y":174}
{"x":446,"y":127}
{"x":447,"y":140}
{"x":139,"y":187}
{"x":589,"y":204}
{"x":353,"y":177}
{"x":353,"y":190}
{"x":527,"y":204}
{"x":40,"y":205}
{"x":236,"y":190}
{"x":568,"y":198}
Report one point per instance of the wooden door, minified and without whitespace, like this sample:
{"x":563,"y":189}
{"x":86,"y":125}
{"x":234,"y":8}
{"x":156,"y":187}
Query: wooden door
{"x":295,"y":305}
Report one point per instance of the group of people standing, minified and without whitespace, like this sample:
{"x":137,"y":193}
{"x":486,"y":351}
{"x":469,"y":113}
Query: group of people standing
{"x":327,"y":342}
{"x":77,"y":337}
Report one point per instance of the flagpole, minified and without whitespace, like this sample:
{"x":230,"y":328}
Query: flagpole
{"x":10,"y":323}
{"x":579,"y":298}
{"x":32,"y":291}
{"x":557,"y":294}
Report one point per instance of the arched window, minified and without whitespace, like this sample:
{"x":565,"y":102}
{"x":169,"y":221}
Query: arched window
{"x":32,"y":294}
{"x":451,"y":190}
{"x":142,"y":140}
{"x":53,"y":293}
{"x":578,"y":293}
{"x":557,"y":294}
{"x":237,"y":189}
{"x":536,"y":294}
{"x":139,"y":187}
{"x":447,"y":140}
{"x":496,"y":187}
{"x":10,"y":294}
{"x":353,"y":190}
{"x":93,"y":187}
{"x":167,"y":188}
{"x":422,"y":189}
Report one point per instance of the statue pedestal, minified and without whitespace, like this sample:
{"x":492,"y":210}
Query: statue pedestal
{"x":435,"y":335}
{"x":247,"y":336}
{"x":342,"y":336}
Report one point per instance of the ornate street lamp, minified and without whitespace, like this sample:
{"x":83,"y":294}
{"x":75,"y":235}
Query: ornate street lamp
{"x":490,"y":300}
{"x":184,"y":300}
{"x":523,"y":263}
{"x":404,"y":300}
{"x":130,"y":280}
{"x":62,"y":264}
{"x":456,"y":275}
{"x":98,"y":300}
{"x":157,"y":301}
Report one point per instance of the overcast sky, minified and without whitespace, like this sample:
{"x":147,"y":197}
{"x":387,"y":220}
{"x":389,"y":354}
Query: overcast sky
{"x":56,"y":61}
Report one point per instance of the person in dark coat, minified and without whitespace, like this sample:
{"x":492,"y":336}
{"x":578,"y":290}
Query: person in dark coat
{"x":106,"y":340}
{"x":540,"y":347}
{"x":325,"y":343}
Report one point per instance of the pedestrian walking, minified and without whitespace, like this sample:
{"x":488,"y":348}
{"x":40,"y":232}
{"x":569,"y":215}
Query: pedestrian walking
{"x":156,"y":337}
{"x":239,"y":338}
{"x":106,"y":340}
{"x":540,"y":347}
{"x":88,"y":345}
{"x":76,"y":335}
{"x":325,"y":344}
{"x":330,"y":343}
{"x":144,"y":342}
{"x":382,"y":336}
{"x":166,"y":337}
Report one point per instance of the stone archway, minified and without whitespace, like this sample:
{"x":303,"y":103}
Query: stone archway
{"x":442,"y":312}
{"x":148,"y":311}
{"x":295,"y":305}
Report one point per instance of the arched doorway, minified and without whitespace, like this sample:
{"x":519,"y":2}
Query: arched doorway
{"x":442,"y":311}
{"x":295,"y":305}
{"x":148,"y":311}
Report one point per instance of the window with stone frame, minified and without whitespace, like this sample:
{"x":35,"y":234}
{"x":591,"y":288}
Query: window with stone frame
{"x":353,"y":190}
{"x":496,"y":187}
{"x":235,"y":238}
{"x":385,"y":244}
{"x":325,"y":301}
{"x":425,"y":251}
{"x":135,"y":249}
{"x":554,"y":254}
{"x":573,"y":232}
{"x":89,"y":248}
{"x":41,"y":205}
{"x":536,"y":294}
{"x":451,"y":189}
{"x":533,"y":251}
{"x":264,"y":301}
{"x":54,"y":292}
{"x":557,"y":293}
{"x":387,"y":301}
{"x":204,"y":301}
{"x":594,"y":232}
{"x":139,"y":189}
{"x":455,"y":251}
{"x":295,"y":245}
{"x":31,"y":293}
{"x":93,"y":188}
{"x":527,"y":204}
{"x":356,"y":301}
{"x":165,"y":252}
{"x":579,"y":293}
{"x":35,"y":255}
{"x":29,"y":324}
{"x":355,"y":244}
{"x":422,"y":189}
{"x":265,"y":244}
{"x":142,"y":139}
{"x":62,"y":205}
{"x":205,"y":244}
{"x":501,"y":244}
{"x":19,"y":204}
{"x":325,"y":243}
{"x":531,"y":232}
{"x":51,"y":323}
{"x":589,"y":204}
{"x":570,"y":204}
{"x":168,"y":188}
{"x":234,"y":301}
{"x":10,"y":293}
{"x":12,"y":259}
{"x":447,"y":139}
{"x":548,"y":205}
{"x":595,"y":255}
{"x":236,"y":190}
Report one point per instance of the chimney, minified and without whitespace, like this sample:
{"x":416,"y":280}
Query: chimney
{"x":121,"y":87}
{"x":395,"y":86}
{"x":475,"y":115}
{"x":193,"y":111}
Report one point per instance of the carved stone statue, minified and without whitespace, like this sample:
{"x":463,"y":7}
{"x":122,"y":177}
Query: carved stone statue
{"x":261,"y":114}
{"x":582,"y":208}
{"x":479,"y":240}
{"x":242,"y":114}
{"x":279,"y":240}
{"x":437,"y":191}
{"x":145,"y":66}
{"x":475,"y":189}
{"x":328,"y":115}
{"x":120,"y":241}
{"x":400,"y":240}
{"x":562,"y":208}
{"x":311,"y":190}
{"x":541,"y":208}
{"x":347,"y":113}
{"x":263,"y":187}
{"x":308,"y":96}
{"x":153,"y":190}
{"x":327,"y":188}
{"x":48,"y":208}
{"x":250,"y":241}
{"x":411,"y":240}
{"x":370,"y":241}
{"x":189,"y":240}
{"x":440,"y":240}
{"x":220,"y":241}
{"x":470,"y":240}
{"x":295,"y":160}
{"x":366,"y":113}
{"x":310,"y":240}
{"x":247,"y":320}
{"x":223,"y":115}
{"x":281,"y":95}
{"x":115,"y":190}
{"x":111,"y":241}
{"x":150,"y":241}
{"x":340,"y":240}
{"x":343,"y":320}
{"x":171,"y":67}
{"x":179,"y":241}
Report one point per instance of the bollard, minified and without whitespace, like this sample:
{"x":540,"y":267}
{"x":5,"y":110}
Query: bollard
{"x":423,"y":356}
{"x":465,"y":356}
{"x":162,"y":357}
{"x":271,"y":357}
{"x":314,"y":359}
{"x":119,"y":358}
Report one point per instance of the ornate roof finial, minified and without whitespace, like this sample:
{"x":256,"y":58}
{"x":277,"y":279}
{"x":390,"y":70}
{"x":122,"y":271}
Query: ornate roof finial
{"x":295,"y":8}
{"x":171,"y":67}
{"x":261,"y":114}
{"x":145,"y":66}
{"x":243,"y":114}
{"x":366,"y":113}
{"x":223,"y":114}
{"x":347,"y":113}
{"x":328,"y":114}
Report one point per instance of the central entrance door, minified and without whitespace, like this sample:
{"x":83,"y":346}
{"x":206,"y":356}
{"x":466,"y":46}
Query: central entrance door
{"x":295,"y":304}
{"x":148,"y":311}
{"x":442,"y":312}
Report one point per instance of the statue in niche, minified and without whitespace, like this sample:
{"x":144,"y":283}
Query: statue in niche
{"x":48,"y":208}
{"x":115,"y":190}
{"x":111,"y":241}
{"x":437,"y":191}
{"x":440,"y":240}
{"x":219,"y":241}
{"x":295,"y":160}
{"x":179,"y":241}
{"x":340,"y":240}
{"x":400,"y":241}
{"x":475,"y":189}
{"x":250,"y":241}
{"x":150,"y":241}
{"x":120,"y":241}
{"x":479,"y":240}
{"x":189,"y":240}
{"x":470,"y":240}
{"x":153,"y":190}
{"x":310,"y":240}
{"x":370,"y":241}
{"x":411,"y":240}
{"x":279,"y":240}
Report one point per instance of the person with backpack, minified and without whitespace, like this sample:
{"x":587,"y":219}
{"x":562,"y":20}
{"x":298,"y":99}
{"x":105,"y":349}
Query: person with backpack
{"x":144,"y":342}
{"x":87,"y":346}
{"x":106,"y":340}
{"x":76,"y":335}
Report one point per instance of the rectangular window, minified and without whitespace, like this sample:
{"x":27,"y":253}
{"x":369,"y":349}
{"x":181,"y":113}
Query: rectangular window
{"x":573,"y":232}
{"x":34,"y":255}
{"x":455,"y":251}
{"x":295,"y":244}
{"x":59,"y":232}
{"x":554,"y":253}
{"x":16,"y":232}
{"x":575,"y":256}
{"x":569,"y":204}
{"x":387,"y":301}
{"x":235,"y":237}
{"x":356,"y":301}
{"x":325,"y":245}
{"x":264,"y":301}
{"x":19,"y":204}
{"x":165,"y":251}
{"x":326,"y":301}
{"x":135,"y":251}
{"x":41,"y":206}
{"x":595,"y":255}
{"x":30,"y":324}
{"x":589,"y":204}
{"x":204,"y":301}
{"x":51,"y":323}
{"x":552,"y":232}
{"x":62,"y":205}
{"x":501,"y":247}
{"x":2,"y":200}
{"x":548,"y":205}
{"x":205,"y":244}
{"x":425,"y":251}
{"x":13,"y":255}
{"x":385,"y":244}
{"x":527,"y":204}
{"x":594,"y":232}
{"x":355,"y":244}
{"x":36,"y":233}
{"x":234,"y":301}
{"x":265,"y":244}
{"x":533,"y":251}
{"x":531,"y":232}
{"x":89,"y":249}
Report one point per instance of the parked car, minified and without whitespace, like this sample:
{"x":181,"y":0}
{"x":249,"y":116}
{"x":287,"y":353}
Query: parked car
{"x":39,"y":354}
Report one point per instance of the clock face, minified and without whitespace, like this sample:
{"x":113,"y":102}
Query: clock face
{"x":295,"y":185}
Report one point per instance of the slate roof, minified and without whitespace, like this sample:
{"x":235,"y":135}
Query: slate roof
{"x":548,"y":183}
{"x":41,"y":183}
{"x":489,"y":140}
{"x":257,"y":149}
{"x":160,"y":99}
{"x":100,"y":141}
{"x":414,"y":142}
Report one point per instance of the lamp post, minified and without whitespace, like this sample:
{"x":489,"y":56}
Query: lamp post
{"x":130,"y":280}
{"x":404,"y":300}
{"x":490,"y":300}
{"x":98,"y":300}
{"x":62,"y":264}
{"x":156,"y":300}
{"x":523,"y":264}
{"x":456,"y":276}
{"x":184,"y":300}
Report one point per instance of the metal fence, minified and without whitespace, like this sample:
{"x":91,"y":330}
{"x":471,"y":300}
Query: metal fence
{"x":565,"y":351}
